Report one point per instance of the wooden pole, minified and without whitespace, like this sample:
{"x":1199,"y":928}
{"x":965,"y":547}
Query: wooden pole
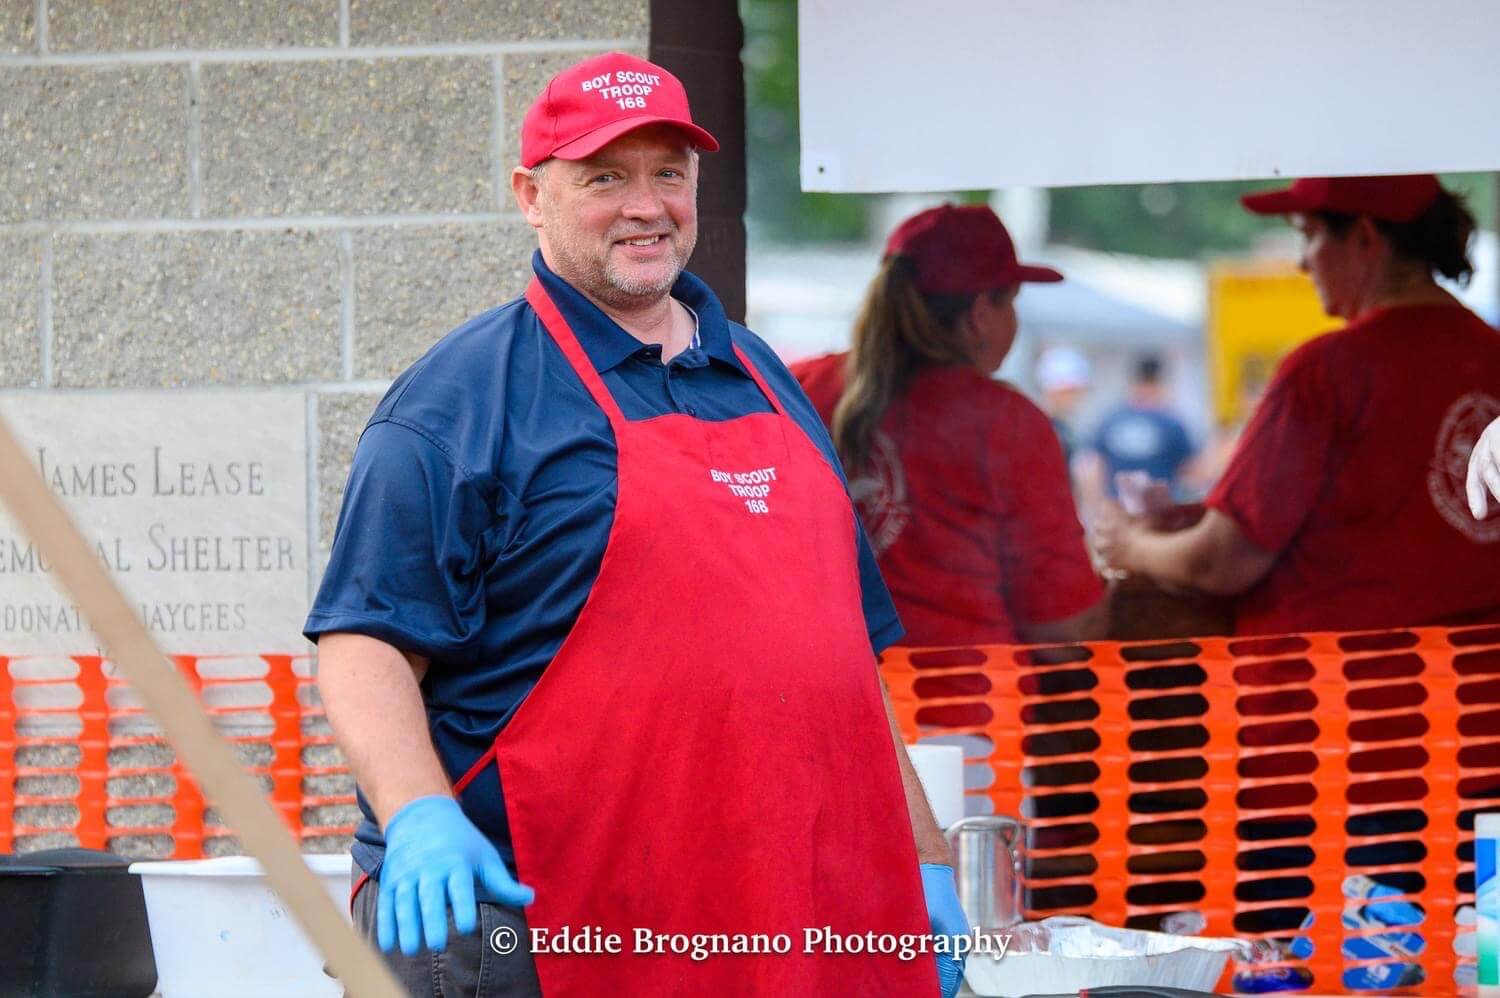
{"x":188,"y":727}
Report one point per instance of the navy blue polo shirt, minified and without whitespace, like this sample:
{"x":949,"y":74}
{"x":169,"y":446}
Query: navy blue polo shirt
{"x":480,"y":500}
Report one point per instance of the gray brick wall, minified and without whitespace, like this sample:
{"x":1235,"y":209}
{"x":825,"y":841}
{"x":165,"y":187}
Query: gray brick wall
{"x":237,"y":193}
{"x":101,"y":142}
{"x":348,"y":137}
{"x":20,"y":291}
{"x":193,"y":308}
{"x":103,"y":26}
{"x":403,"y":271}
{"x":397,"y":22}
{"x":17,"y":27}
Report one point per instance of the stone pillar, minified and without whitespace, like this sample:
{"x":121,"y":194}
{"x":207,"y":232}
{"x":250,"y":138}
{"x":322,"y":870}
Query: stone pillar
{"x":700,"y":41}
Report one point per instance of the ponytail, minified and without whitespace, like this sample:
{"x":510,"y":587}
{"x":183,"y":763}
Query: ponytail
{"x":1438,"y":239}
{"x":898,"y":332}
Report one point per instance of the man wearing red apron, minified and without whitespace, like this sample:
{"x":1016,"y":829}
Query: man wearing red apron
{"x":596,"y":633}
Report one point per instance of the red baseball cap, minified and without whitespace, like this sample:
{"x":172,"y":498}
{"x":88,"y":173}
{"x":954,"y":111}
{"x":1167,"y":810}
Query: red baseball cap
{"x":960,"y":250}
{"x":589,"y":105}
{"x":1387,"y":199}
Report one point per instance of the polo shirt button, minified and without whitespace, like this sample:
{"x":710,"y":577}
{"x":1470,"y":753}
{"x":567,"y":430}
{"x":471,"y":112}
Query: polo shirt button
{"x":690,"y":410}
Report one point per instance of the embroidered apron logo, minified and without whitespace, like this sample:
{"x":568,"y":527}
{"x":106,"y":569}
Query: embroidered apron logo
{"x":752,"y":486}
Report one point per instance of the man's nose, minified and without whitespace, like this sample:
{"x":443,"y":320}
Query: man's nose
{"x":642,"y":200}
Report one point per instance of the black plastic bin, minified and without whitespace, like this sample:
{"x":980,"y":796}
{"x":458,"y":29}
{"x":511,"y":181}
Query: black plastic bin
{"x":73,"y":925}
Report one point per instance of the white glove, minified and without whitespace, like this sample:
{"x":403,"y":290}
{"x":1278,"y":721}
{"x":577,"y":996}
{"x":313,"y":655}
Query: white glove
{"x":1484,"y":470}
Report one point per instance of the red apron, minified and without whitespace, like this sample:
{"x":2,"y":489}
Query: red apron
{"x":708,"y":752}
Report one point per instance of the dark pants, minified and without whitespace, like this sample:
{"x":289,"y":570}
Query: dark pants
{"x":470,"y":967}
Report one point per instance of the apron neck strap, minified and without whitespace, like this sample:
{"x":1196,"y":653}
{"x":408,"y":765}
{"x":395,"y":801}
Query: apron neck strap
{"x":760,"y":382}
{"x":567,"y":341}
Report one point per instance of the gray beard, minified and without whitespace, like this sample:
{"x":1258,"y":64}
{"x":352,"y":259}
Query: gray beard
{"x":614,"y":288}
{"x":628,"y":285}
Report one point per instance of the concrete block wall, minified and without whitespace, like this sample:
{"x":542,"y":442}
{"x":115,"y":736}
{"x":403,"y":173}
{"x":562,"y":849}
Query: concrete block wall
{"x":237,"y":193}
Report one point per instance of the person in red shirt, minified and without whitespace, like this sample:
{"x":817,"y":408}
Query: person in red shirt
{"x":959,"y":479}
{"x":1343,"y":507}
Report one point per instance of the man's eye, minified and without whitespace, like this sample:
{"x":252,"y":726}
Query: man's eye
{"x":603,"y":178}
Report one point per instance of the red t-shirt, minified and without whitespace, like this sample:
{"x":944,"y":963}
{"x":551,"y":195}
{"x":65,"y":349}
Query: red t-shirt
{"x":1352,"y":468}
{"x":967,"y":504}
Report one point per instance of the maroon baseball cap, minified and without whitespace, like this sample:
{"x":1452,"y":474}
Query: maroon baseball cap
{"x":1387,"y":199}
{"x":590,"y":104}
{"x":961,"y":250}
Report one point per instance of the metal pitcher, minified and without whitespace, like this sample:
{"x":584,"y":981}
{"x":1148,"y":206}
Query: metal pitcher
{"x":989,"y":855}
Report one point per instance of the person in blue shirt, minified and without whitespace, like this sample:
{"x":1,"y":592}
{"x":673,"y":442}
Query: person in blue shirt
{"x":598,"y":630}
{"x":1143,"y":435}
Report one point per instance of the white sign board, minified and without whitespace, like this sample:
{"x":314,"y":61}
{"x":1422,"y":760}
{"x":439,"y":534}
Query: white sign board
{"x":978,"y":94}
{"x":195,"y":501}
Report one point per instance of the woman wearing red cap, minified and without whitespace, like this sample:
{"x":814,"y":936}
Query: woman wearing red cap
{"x":1344,"y":505}
{"x":959,"y":479}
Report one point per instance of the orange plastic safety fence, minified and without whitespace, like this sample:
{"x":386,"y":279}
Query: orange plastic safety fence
{"x":73,"y":739}
{"x":1257,"y":782}
{"x":7,"y":759}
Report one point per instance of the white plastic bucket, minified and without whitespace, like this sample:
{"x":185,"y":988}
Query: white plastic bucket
{"x":218,"y":929}
{"x":940,"y":770}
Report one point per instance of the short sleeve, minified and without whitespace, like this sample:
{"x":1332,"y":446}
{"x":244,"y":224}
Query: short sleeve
{"x":1046,"y":571}
{"x":407,"y":559}
{"x":1278,"y":468}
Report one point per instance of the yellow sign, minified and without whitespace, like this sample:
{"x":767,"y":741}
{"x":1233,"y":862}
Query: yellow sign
{"x":1257,"y":312}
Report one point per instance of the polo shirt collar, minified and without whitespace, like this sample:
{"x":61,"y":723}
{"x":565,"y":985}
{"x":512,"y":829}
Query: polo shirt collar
{"x":607,"y":344}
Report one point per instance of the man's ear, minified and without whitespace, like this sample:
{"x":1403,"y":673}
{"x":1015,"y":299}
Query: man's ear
{"x":528,"y":193}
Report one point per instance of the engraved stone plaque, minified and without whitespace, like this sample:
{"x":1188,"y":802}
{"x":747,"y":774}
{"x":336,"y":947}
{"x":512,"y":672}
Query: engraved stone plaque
{"x":197,"y":503}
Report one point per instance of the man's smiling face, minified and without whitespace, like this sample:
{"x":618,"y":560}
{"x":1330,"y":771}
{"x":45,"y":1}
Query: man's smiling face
{"x":621,"y":224}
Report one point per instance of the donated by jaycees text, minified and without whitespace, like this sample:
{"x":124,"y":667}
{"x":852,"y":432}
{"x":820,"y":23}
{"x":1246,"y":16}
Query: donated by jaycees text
{"x":592,"y":940}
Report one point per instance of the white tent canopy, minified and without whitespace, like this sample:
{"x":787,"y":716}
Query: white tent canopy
{"x":968,"y":94}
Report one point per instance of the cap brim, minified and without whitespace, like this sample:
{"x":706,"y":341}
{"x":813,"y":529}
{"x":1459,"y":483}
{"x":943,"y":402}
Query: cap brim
{"x":1032,"y":274}
{"x":591,"y":142}
{"x":1282,"y":202}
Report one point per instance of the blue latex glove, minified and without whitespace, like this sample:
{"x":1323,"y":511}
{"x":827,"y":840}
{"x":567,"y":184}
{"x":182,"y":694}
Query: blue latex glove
{"x":948,"y":919}
{"x":433,"y":855}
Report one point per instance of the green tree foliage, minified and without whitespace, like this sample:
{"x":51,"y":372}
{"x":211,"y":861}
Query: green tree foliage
{"x":1166,"y":220}
{"x":778,"y":207}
